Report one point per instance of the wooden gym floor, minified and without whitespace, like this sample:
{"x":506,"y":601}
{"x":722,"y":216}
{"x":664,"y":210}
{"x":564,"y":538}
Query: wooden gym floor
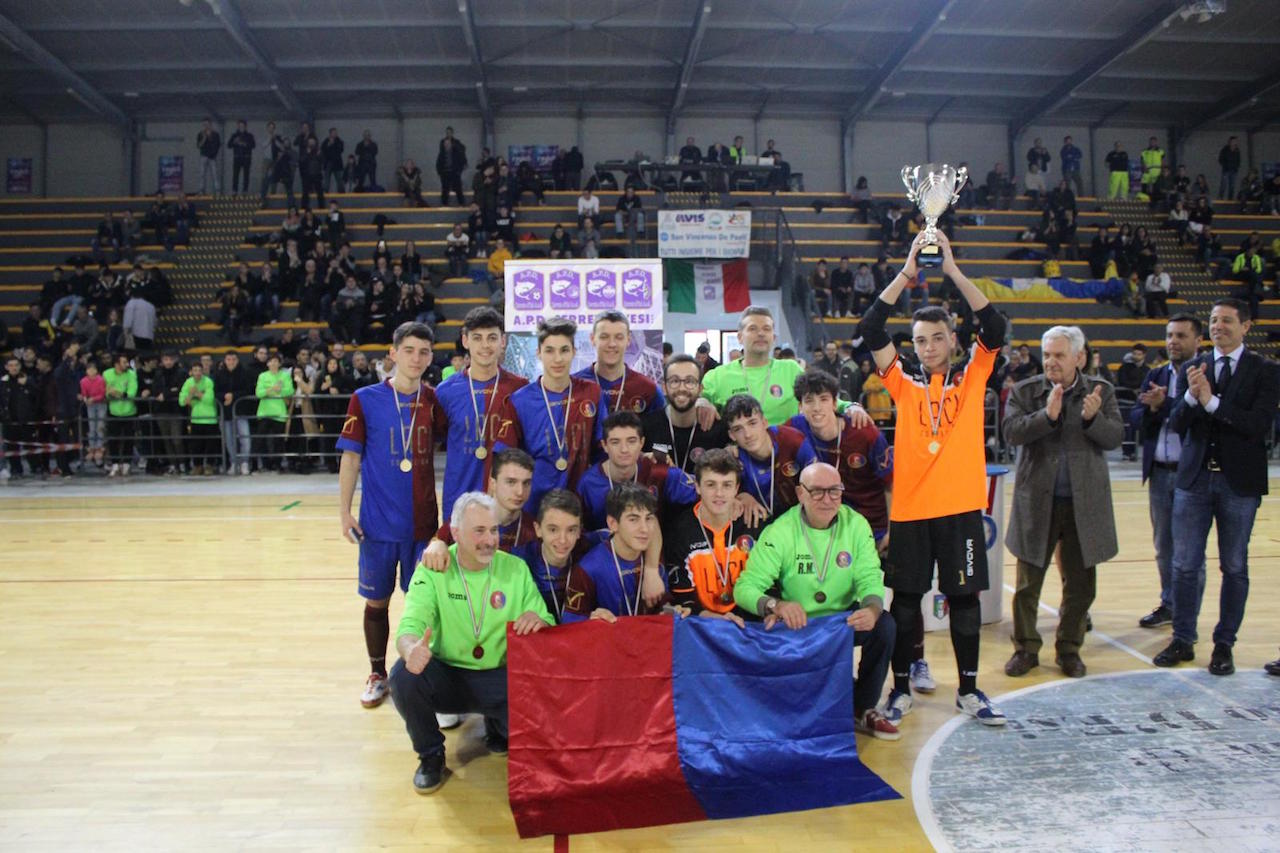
{"x":180,"y":668}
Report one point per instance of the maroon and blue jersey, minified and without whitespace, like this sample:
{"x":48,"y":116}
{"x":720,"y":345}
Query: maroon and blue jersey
{"x":670,"y":485}
{"x":551,"y":581}
{"x":632,"y":392}
{"x":510,"y":536}
{"x":395,"y":505}
{"x":596,"y":581}
{"x":461,"y":400}
{"x":776,"y":487}
{"x":865,"y":462}
{"x":523,"y":422}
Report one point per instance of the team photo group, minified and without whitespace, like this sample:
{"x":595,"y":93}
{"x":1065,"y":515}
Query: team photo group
{"x":751,"y":492}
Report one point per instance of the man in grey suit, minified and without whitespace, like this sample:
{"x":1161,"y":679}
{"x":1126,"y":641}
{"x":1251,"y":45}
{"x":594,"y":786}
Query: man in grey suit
{"x":1064,"y":422}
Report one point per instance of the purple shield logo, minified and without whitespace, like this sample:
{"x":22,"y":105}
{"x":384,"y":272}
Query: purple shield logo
{"x":566,"y":291}
{"x":527,"y":292}
{"x":602,"y":289}
{"x":637,"y":289}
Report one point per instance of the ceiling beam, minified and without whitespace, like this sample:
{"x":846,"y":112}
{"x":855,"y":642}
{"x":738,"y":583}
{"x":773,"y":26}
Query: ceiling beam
{"x":468,"y":17}
{"x":25,"y":113}
{"x":700,"y":20}
{"x":232,"y":21}
{"x":935,"y":12}
{"x":1238,"y":99}
{"x":1131,"y":39}
{"x":75,"y":85}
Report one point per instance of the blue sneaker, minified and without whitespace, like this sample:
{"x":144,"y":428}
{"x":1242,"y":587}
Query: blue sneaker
{"x":976,"y":704}
{"x":897,"y":706}
{"x":921,"y":678}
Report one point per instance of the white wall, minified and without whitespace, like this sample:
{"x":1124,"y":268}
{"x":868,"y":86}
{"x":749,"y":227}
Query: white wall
{"x":87,"y":160}
{"x":881,"y":149}
{"x":23,"y":141}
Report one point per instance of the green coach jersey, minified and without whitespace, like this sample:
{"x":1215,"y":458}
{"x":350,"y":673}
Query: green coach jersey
{"x":205,"y":409}
{"x":499,"y":594}
{"x":271,"y":400}
{"x":782,"y":555}
{"x":773,"y":384}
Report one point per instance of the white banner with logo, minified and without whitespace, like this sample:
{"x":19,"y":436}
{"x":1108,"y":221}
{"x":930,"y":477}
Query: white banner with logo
{"x":704,"y":233}
{"x":580,"y":289}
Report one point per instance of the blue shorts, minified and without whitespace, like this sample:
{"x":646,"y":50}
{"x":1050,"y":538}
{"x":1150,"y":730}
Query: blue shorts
{"x":378,"y":561}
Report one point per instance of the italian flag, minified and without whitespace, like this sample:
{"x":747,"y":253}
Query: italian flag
{"x":694,"y":288}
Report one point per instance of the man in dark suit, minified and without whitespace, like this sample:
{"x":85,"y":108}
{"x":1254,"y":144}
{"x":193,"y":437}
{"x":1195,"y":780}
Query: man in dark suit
{"x":1161,"y":446}
{"x":450,"y":161}
{"x":1223,"y":418}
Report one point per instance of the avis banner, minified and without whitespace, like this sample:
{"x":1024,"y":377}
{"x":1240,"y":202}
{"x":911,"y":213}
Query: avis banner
{"x":704,"y":233}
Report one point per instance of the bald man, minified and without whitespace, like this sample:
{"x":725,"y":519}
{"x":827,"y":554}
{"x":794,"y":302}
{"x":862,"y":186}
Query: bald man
{"x":822,"y":554}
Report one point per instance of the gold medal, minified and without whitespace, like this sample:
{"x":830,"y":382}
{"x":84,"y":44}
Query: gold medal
{"x":481,"y":452}
{"x":934,"y":447}
{"x":406,"y":465}
{"x":562,"y":464}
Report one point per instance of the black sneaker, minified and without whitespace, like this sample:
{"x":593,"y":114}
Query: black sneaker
{"x":430,"y":775}
{"x":1272,"y":668}
{"x":1178,"y":651}
{"x":495,"y":743}
{"x":1160,"y":616}
{"x":1221,"y":663}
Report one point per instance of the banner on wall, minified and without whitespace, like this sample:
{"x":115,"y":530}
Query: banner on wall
{"x":540,"y":156}
{"x":169,"y":179}
{"x":581,"y":289}
{"x":18,"y":172}
{"x":704,"y":233}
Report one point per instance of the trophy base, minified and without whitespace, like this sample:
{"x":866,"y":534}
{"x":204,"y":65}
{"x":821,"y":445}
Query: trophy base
{"x":929,"y":256}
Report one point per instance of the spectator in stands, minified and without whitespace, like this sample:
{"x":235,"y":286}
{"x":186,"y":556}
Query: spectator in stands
{"x":1133,"y":369}
{"x":861,"y":199}
{"x":497,"y":265}
{"x":336,"y":223}
{"x":1178,"y":219}
{"x":1251,"y":192}
{"x":231,"y":382}
{"x":690,"y":154}
{"x":1033,"y":181}
{"x":84,"y":328}
{"x":1200,"y":217}
{"x":72,"y":293}
{"x":1100,"y":252}
{"x":504,"y":225}
{"x":864,"y":290}
{"x":1096,"y":366}
{"x":1271,"y":195}
{"x":559,"y":246}
{"x":457,"y":250}
{"x":967,"y":194}
{"x":409,"y":183}
{"x":159,"y":218}
{"x":1163,"y":190}
{"x":477,"y":232}
{"x":274,"y":388}
{"x":209,"y":142}
{"x":1229,"y":163}
{"x":122,"y":388}
{"x":780,"y":177}
{"x":140,"y":323}
{"x":1027,"y":364}
{"x":893,"y":229}
{"x":451,"y":159}
{"x":366,"y":163}
{"x":841,"y":287}
{"x":378,"y":310}
{"x":1062,"y":200}
{"x":1118,"y":168}
{"x":628,"y":217}
{"x":573,"y":165}
{"x":588,"y":205}
{"x":331,"y":150}
{"x":1152,"y":158}
{"x":1156,"y":291}
{"x":234,"y":316}
{"x":1038,"y":156}
{"x":1210,"y":252}
{"x":241,"y":145}
{"x":93,"y":394}
{"x":184,"y":219}
{"x":411,"y":262}
{"x":506,"y":186}
{"x":589,"y":240}
{"x":1247,"y":269}
{"x":107,"y":235}
{"x":18,"y":406}
{"x":361,"y":375}
{"x":311,"y":169}
{"x":1143,"y":252}
{"x":527,"y":181}
{"x":999,"y":188}
{"x":820,"y":284}
{"x":54,"y":288}
{"x":1071,"y":157}
{"x":426,"y":304}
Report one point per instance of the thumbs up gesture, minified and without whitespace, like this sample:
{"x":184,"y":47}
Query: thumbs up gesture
{"x":419,"y":654}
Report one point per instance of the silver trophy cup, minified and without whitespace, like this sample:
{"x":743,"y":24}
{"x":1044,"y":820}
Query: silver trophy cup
{"x":933,"y":188}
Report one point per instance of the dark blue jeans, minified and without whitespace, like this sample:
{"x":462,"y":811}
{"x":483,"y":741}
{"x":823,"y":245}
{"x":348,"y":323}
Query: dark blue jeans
{"x":1209,"y":500}
{"x":877,"y":653}
{"x":1160,"y":489}
{"x":448,"y":690}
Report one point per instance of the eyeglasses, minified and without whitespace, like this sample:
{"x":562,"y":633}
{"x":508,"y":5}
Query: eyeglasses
{"x":834,"y":493}
{"x":676,"y":381}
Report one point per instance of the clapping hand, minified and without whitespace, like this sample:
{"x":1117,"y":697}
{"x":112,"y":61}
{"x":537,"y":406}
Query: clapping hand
{"x":1198,"y":383}
{"x":1153,"y":398}
{"x":1053,"y":406}
{"x":1092,"y":403}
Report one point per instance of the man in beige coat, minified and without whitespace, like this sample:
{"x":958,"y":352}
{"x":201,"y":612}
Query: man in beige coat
{"x":1063,"y":422}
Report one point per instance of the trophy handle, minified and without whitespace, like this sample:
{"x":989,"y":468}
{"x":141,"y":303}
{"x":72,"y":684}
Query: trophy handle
{"x":909,"y":184}
{"x":962,"y":175}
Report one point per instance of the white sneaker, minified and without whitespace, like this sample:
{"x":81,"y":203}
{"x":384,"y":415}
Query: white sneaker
{"x":114,"y":469}
{"x":922,"y":678}
{"x":449,"y":721}
{"x":976,"y":704}
{"x":375,"y":691}
{"x":244,"y":468}
{"x":897,"y":706}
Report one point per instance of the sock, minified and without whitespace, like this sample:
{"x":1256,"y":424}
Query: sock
{"x":917,"y":650}
{"x":377,"y":630}
{"x":905,"y":611}
{"x":966,"y":622}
